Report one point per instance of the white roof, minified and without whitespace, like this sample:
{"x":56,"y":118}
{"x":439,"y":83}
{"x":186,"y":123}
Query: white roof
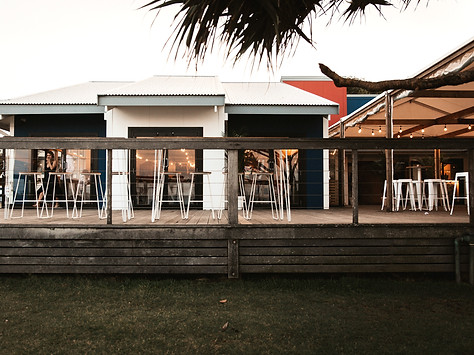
{"x":81,"y":94}
{"x":275,"y":94}
{"x":170,"y":86}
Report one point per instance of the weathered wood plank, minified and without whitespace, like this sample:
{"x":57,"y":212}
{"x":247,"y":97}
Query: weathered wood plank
{"x":344,"y":259}
{"x":115,"y":269}
{"x":139,"y":260}
{"x":102,"y":243}
{"x":374,"y":268}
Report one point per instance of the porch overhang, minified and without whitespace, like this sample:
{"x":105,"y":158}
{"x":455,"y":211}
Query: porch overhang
{"x":49,"y":109}
{"x":281,"y":110}
{"x":172,"y":100}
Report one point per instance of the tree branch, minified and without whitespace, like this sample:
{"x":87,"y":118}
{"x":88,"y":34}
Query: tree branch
{"x":406,"y":84}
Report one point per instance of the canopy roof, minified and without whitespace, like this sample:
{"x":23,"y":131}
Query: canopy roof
{"x":444,"y":112}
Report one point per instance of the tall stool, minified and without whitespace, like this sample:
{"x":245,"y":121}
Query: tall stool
{"x":457,"y":177}
{"x":25,"y":176}
{"x":223,"y":199}
{"x":409,"y":194}
{"x":159,"y":189}
{"x":206,"y":174}
{"x":394,"y":193}
{"x":267,"y":177}
{"x":84,"y":180}
{"x":127,"y":206}
{"x":435,"y":186}
{"x":54,"y":175}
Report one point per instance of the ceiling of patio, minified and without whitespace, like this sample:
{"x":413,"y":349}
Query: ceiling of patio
{"x":446,"y":112}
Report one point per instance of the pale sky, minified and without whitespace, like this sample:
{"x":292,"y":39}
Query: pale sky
{"x":48,"y":44}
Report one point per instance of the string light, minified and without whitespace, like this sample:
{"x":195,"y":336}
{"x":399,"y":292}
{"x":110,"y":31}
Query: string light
{"x":469,"y":127}
{"x":400,"y":129}
{"x":360,"y":129}
{"x":373,"y":132}
{"x":445,"y":128}
{"x":411,"y":135}
{"x":422,"y":130}
{"x":398,"y":136}
{"x":380,"y":129}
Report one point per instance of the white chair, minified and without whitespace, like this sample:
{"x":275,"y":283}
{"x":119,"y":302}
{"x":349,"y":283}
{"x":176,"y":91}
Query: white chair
{"x":457,"y":178}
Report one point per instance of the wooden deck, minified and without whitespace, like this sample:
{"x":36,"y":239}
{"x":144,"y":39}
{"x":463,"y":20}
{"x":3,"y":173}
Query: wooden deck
{"x":367,"y":215}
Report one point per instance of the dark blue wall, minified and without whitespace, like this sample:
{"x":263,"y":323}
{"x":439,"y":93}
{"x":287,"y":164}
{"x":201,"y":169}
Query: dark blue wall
{"x":292,"y":126}
{"x":354,"y":102}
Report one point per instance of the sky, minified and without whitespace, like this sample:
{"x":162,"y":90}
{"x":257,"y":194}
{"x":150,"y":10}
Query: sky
{"x":49,"y":44}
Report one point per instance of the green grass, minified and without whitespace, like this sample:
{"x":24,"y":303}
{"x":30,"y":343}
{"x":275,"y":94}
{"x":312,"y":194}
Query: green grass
{"x":265,"y":315}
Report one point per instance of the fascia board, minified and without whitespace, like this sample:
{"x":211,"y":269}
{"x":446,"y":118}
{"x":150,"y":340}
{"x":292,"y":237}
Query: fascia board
{"x":198,"y":100}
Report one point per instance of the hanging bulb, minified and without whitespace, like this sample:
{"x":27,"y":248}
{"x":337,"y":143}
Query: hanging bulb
{"x":469,"y":127}
{"x":445,"y":128}
{"x":411,"y":135}
{"x":422,"y":135}
{"x":400,"y":129}
{"x":373,"y":132}
{"x":422,"y":130}
{"x":398,"y":136}
{"x":360,"y":129}
{"x":380,"y":129}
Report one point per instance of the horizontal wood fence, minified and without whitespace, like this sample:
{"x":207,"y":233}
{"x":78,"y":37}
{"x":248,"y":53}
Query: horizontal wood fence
{"x":235,"y":249}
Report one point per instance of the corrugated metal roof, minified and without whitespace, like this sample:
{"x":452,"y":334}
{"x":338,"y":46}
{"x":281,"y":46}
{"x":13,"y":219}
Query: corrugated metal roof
{"x":81,"y":94}
{"x":271,"y":94}
{"x":171,"y":86}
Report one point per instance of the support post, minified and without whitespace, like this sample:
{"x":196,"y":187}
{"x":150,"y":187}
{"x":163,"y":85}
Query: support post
{"x":389,"y":152}
{"x":471,"y":186}
{"x":109,"y":186}
{"x":233,"y":258}
{"x":233,"y":185}
{"x":355,"y":187}
{"x":341,"y":155}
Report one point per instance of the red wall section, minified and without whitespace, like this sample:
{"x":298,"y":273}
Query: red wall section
{"x":326,"y":89}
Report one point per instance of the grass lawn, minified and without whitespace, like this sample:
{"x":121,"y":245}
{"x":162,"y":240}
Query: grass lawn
{"x":253,"y":315}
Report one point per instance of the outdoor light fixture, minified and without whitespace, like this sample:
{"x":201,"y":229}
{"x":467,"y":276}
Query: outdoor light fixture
{"x":445,"y":128}
{"x":411,"y":135}
{"x":469,"y":127}
{"x":380,"y":129}
{"x":360,"y":129}
{"x":422,"y":130}
{"x":398,"y":136}
{"x":373,"y":131}
{"x":400,"y":129}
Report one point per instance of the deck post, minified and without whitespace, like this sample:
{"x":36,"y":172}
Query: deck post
{"x":109,"y":186}
{"x":389,"y":152}
{"x":233,"y":258}
{"x":341,"y":166}
{"x":233,"y":185}
{"x":355,"y":187}
{"x":471,"y":186}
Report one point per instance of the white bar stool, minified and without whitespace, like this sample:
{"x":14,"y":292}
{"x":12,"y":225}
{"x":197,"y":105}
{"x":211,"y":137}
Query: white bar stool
{"x":25,"y":176}
{"x":84,"y":180}
{"x":224,"y":200}
{"x":409,"y":194}
{"x":394,"y":192}
{"x":457,"y":177}
{"x":266,"y":177}
{"x":55,"y":175}
{"x":435,"y":186}
{"x":161,"y":179}
{"x":206,"y":174}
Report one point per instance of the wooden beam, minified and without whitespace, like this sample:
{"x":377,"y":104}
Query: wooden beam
{"x":232,"y":186}
{"x":416,"y":121}
{"x":109,"y":186}
{"x":447,"y":119}
{"x":355,"y":187}
{"x":452,"y":94}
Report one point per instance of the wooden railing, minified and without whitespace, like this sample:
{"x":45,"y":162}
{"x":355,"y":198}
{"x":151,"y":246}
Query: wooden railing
{"x":233,"y":144}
